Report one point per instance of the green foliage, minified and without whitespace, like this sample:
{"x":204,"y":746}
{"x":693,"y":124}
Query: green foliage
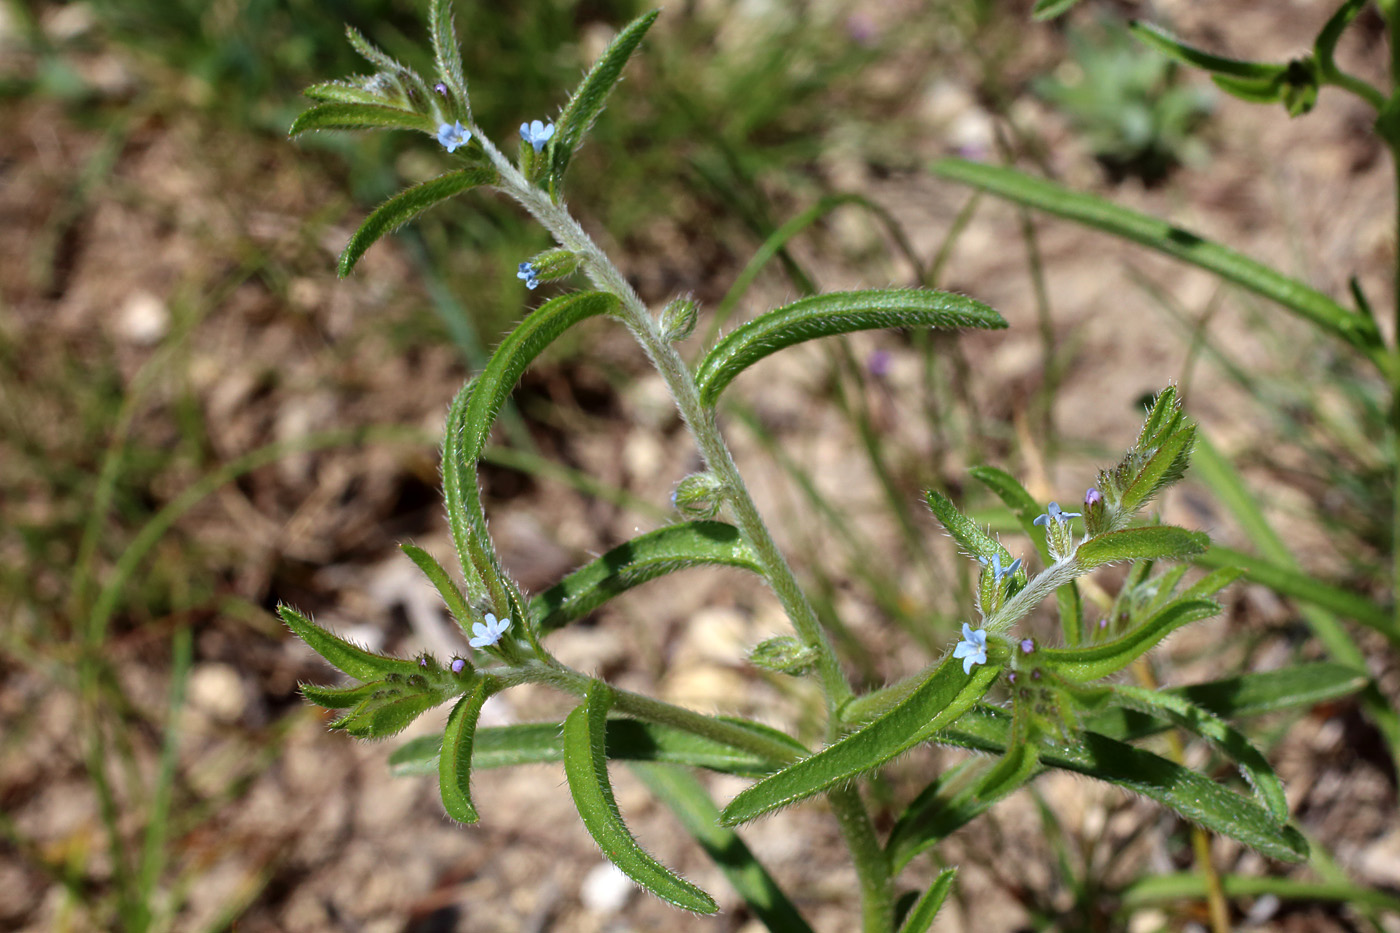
{"x":406,"y":205}
{"x":924,"y":912}
{"x":455,"y":753}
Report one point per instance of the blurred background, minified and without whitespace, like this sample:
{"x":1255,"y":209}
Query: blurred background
{"x":198,"y":421}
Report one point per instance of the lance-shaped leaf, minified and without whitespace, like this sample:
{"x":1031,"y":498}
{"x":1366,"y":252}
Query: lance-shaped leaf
{"x":835,"y":313}
{"x":586,"y":767}
{"x":687,"y":798}
{"x":972,"y":539}
{"x":447,"y":54}
{"x":340,"y":697}
{"x":1095,"y":212}
{"x":343,"y":115}
{"x":351,"y":92}
{"x":469,"y":427}
{"x":628,"y":740}
{"x":583,"y":108}
{"x":440,"y":580}
{"x":455,"y":758}
{"x":921,"y":916}
{"x":389,"y":711}
{"x":1085,"y":664}
{"x":406,"y":205}
{"x":946,"y":806}
{"x":387,"y":63}
{"x":1163,"y":468}
{"x":937,"y":702}
{"x":1150,"y":542}
{"x":1159,"y":39}
{"x":1195,"y":797}
{"x":342,"y":655}
{"x":644,"y":558}
{"x":1253,"y":766}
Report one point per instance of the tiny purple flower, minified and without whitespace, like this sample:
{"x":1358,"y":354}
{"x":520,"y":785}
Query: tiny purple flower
{"x":972,"y":649}
{"x":536,"y":133}
{"x":1054,"y":513}
{"x":488,"y":632}
{"x":527,"y":272}
{"x":440,"y":88}
{"x":878,"y":363}
{"x":458,"y":665}
{"x":1092,"y":497}
{"x":1011,"y":678}
{"x":1027,"y":645}
{"x":423,"y":662}
{"x":453,"y":135}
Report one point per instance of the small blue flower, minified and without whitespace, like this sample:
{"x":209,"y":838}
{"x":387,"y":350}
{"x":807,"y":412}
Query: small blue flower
{"x":527,"y":272}
{"x":1053,"y":512}
{"x":458,"y":665}
{"x":453,"y":135}
{"x":972,"y":649}
{"x":536,"y":133}
{"x":1027,"y":645}
{"x":998,"y":571}
{"x":489,"y":632}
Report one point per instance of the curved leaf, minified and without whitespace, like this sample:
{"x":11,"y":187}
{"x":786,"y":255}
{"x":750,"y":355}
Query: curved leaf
{"x":405,"y":206}
{"x":973,"y":540}
{"x":644,"y":558}
{"x":938,"y":701}
{"x":1086,"y":664}
{"x":447,"y":54}
{"x":1253,"y":766}
{"x":347,"y":92}
{"x":342,"y":655}
{"x":441,"y":582}
{"x":583,"y":108}
{"x":1194,"y":796}
{"x":1049,"y":9}
{"x":340,"y":697}
{"x":834,"y":313}
{"x":1095,"y":212}
{"x":343,"y":115}
{"x":586,"y":767}
{"x":455,"y":758}
{"x":1148,"y":542}
{"x":1157,"y":38}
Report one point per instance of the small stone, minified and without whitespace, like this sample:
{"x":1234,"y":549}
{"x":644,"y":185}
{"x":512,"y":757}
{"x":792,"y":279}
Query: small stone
{"x":144,"y":319}
{"x":217,"y":691}
{"x":605,"y":889}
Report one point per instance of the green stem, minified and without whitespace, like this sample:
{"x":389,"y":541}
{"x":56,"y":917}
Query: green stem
{"x":871,"y":862}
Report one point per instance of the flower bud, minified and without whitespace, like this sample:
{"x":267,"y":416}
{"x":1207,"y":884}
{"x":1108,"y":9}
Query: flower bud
{"x":699,"y":495}
{"x":678,"y":319}
{"x":784,"y":654}
{"x":555,"y":264}
{"x":1095,"y":514}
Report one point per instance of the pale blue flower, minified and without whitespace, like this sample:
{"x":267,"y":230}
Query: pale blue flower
{"x":453,"y":135}
{"x":488,"y":632}
{"x":998,"y":571}
{"x":527,"y":272}
{"x":972,"y":649}
{"x":1054,"y":513}
{"x":536,"y":133}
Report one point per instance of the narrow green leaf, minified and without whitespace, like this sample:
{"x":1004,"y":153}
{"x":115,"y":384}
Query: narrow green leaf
{"x":644,"y":558}
{"x":342,"y":655}
{"x":372,"y":54}
{"x":348,"y":92}
{"x":469,"y":427}
{"x":1297,"y":687}
{"x":1159,"y":39}
{"x":340,"y":697}
{"x":1149,"y":542}
{"x":447,"y":53}
{"x":945,"y":807}
{"x":1194,"y":796}
{"x":1163,"y":468}
{"x":405,"y":206}
{"x":1211,"y":583}
{"x":921,"y":917}
{"x":1251,"y":90}
{"x":455,"y":766}
{"x":938,"y":701}
{"x":351,"y":116}
{"x":588,"y":100}
{"x":1253,"y":766}
{"x":375,"y":719}
{"x":1155,"y":889}
{"x":417,"y":756}
{"x":1095,"y":212}
{"x":830,"y":314}
{"x":1085,"y":664}
{"x":686,"y":797}
{"x":441,"y":581}
{"x":461,"y":499}
{"x":1294,"y":583}
{"x":586,"y":767}
{"x":972,"y":539}
{"x":1049,"y":9}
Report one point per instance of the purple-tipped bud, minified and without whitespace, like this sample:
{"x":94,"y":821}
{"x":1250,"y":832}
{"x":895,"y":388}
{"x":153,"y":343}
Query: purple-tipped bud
{"x":458,"y":665}
{"x":878,"y":363}
{"x":440,"y":88}
{"x":1027,"y":645}
{"x":1011,"y":678}
{"x":423,"y":662}
{"x":1103,"y":624}
{"x":1092,"y":498}
{"x":1035,"y":674}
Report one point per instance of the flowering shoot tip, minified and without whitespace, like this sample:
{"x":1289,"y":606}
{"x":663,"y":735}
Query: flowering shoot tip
{"x":536,"y":133}
{"x":527,"y":272}
{"x":972,"y":649}
{"x":453,"y":135}
{"x":488,"y":632}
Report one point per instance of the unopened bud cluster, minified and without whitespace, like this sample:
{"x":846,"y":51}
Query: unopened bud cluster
{"x":699,"y":495}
